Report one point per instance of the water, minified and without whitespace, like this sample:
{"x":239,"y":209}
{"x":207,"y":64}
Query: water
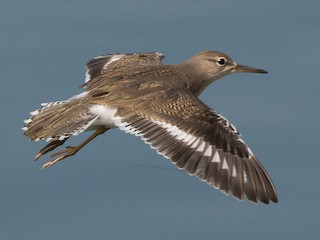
{"x":118,"y":188}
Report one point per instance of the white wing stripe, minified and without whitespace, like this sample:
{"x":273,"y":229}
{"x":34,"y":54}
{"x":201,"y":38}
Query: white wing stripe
{"x":180,"y":134}
{"x":225,"y":164}
{"x":189,"y":139}
{"x":234,"y":171}
{"x":201,"y":147}
{"x":216,"y":157}
{"x":112,"y":59}
{"x":208,"y":152}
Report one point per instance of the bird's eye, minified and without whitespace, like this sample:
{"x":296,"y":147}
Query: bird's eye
{"x":221,"y":61}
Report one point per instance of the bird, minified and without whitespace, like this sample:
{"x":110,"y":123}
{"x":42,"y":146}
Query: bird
{"x":159,"y":103}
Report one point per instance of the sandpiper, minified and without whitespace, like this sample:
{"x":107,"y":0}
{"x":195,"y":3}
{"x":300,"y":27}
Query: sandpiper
{"x":159,"y":103}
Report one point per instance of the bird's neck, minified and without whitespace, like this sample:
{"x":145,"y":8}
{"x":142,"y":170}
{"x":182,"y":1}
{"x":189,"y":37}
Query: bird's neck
{"x":196,"y":79}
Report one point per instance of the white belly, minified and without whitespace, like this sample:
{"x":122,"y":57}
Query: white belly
{"x":106,"y":117}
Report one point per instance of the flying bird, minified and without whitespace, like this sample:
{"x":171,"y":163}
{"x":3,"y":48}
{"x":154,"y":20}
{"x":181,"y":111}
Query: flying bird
{"x":158,"y":103}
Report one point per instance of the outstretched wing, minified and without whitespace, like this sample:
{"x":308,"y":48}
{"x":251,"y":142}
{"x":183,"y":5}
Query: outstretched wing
{"x":200,"y":141}
{"x":110,"y":63}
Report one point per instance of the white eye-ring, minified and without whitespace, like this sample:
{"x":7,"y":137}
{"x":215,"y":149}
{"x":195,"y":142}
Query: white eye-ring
{"x":221,"y":61}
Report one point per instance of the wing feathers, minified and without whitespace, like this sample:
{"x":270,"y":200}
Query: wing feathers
{"x":113,"y":63}
{"x":208,"y":147}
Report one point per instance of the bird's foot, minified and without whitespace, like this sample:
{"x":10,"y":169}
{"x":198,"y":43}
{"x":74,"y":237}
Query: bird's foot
{"x":49,"y":147}
{"x":69,"y":151}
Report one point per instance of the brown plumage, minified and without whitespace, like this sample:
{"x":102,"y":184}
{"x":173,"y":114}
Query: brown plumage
{"x":159,"y":103}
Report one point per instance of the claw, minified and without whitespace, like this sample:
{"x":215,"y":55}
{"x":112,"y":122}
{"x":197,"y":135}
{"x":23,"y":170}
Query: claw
{"x":61,"y":152}
{"x":49,"y":147}
{"x":69,"y":151}
{"x":48,"y":164}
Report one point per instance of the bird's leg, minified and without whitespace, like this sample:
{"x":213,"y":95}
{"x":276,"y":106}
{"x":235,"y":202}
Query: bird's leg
{"x":49,"y":147}
{"x":71,"y":150}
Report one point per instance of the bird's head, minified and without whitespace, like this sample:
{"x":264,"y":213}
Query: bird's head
{"x":214,"y":65}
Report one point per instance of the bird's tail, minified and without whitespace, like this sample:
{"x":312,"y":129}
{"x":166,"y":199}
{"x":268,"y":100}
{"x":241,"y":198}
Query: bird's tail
{"x":59,"y":120}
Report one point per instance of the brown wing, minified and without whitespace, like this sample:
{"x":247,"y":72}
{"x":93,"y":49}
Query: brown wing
{"x":200,"y":141}
{"x":115,"y":63}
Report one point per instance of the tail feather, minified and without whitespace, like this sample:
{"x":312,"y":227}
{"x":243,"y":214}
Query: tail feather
{"x":58,"y":120}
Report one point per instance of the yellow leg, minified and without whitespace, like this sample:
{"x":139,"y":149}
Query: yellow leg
{"x":71,"y":150}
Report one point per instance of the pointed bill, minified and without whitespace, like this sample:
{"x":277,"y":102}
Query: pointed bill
{"x":243,"y":68}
